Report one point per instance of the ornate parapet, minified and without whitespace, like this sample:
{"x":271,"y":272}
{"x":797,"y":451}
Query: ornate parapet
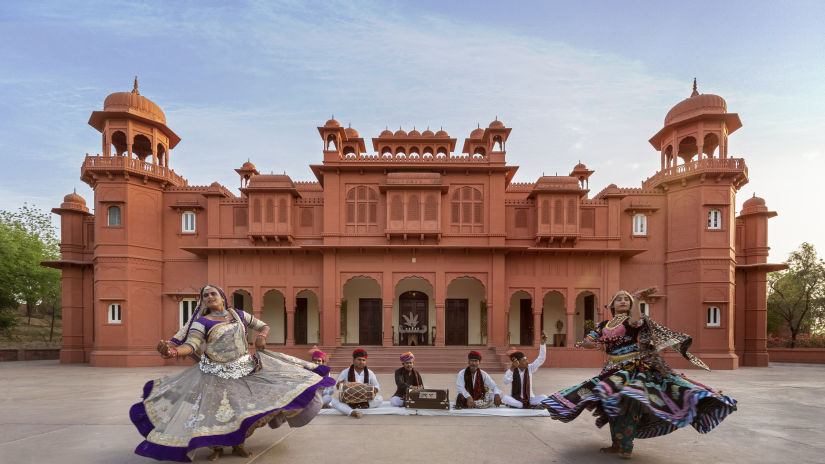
{"x":714,"y":169}
{"x":95,"y":166}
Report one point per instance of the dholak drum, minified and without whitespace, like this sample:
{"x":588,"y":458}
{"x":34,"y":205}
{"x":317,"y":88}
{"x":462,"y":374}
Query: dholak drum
{"x":428,"y":399}
{"x":357,"y":393}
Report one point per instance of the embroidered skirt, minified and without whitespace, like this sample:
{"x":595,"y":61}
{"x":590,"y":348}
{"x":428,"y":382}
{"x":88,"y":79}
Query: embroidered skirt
{"x":667,"y":402}
{"x":202,"y":406}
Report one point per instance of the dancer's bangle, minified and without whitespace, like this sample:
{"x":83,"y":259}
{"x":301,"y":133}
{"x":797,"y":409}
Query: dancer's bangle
{"x":172,"y":353}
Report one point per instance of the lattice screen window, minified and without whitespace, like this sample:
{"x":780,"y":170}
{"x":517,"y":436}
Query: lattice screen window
{"x":468,"y":208}
{"x":307,"y":218}
{"x":362,"y":205}
{"x":282,"y":211}
{"x":521,"y":218}
{"x":397,"y":208}
{"x":430,"y":208}
{"x":256,"y":210}
{"x":588,"y":218}
{"x":413,"y":208}
{"x":545,"y":211}
{"x":240,"y":217}
{"x":558,"y":216}
{"x":571,"y":211}
{"x":270,"y":210}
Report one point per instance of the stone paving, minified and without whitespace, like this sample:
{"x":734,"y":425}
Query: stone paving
{"x":79,"y":414}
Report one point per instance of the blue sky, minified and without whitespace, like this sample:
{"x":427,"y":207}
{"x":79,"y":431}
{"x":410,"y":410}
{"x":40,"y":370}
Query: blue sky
{"x":587,"y":81}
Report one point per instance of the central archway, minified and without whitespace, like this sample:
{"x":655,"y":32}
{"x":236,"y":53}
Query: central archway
{"x":465,"y":317}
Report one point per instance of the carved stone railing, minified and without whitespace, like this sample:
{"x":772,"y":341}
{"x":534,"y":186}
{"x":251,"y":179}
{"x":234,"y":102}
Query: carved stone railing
{"x":707,"y":166}
{"x":94,"y":165}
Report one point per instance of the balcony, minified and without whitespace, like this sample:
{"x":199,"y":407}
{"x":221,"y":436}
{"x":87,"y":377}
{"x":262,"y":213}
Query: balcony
{"x":713,"y":168}
{"x":94,"y":166}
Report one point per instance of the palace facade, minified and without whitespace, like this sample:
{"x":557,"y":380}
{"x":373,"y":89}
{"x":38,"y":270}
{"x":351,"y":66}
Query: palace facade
{"x":408,"y":241}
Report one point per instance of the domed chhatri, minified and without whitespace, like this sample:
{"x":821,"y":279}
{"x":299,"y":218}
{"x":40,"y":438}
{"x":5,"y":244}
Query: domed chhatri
{"x":386,"y":133}
{"x":248,"y":165}
{"x":74,"y":198}
{"x":496,"y":125}
{"x":332,"y":123}
{"x":414,"y":133}
{"x":427,"y":133}
{"x":135,"y":103}
{"x":442,"y":133}
{"x":351,"y":133}
{"x":695,"y":105}
{"x":400,"y":133}
{"x":477,"y":133}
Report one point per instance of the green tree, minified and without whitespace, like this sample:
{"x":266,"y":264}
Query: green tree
{"x":28,"y":237}
{"x":796,"y":296}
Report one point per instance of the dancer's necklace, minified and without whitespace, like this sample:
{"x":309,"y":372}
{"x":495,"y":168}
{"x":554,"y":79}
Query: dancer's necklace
{"x":616,"y":321}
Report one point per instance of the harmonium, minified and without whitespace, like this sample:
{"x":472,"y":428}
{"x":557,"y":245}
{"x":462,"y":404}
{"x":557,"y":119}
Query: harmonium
{"x":432,"y":398}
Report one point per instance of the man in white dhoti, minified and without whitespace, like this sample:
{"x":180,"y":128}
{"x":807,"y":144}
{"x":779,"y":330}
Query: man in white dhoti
{"x":357,"y":373}
{"x":520,"y":376}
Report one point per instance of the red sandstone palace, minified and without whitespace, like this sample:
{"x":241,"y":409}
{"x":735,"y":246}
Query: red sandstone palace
{"x":410,"y":242}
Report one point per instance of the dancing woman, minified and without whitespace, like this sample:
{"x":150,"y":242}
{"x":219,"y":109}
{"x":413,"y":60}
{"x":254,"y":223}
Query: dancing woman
{"x":636,"y":392}
{"x":229,"y":393}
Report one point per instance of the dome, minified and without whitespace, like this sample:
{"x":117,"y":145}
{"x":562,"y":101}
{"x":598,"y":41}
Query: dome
{"x":332,"y":123}
{"x":74,"y":198}
{"x":414,"y":133}
{"x":477,"y":133}
{"x":753,"y":202}
{"x":351,"y":133}
{"x":386,"y":133}
{"x":215,"y":185}
{"x":248,"y":166}
{"x":442,"y":133}
{"x":496,"y":125}
{"x":580,"y":167}
{"x":135,"y":103}
{"x":400,"y":133}
{"x":427,"y":133}
{"x":697,"y":104}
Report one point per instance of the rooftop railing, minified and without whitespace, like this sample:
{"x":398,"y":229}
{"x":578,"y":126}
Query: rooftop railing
{"x":132,"y":166}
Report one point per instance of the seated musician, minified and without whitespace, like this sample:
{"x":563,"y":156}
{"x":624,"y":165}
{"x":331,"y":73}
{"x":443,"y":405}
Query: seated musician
{"x":357,"y":373}
{"x":320,"y":358}
{"x":472,"y":383}
{"x":520,"y":376}
{"x":406,"y":377}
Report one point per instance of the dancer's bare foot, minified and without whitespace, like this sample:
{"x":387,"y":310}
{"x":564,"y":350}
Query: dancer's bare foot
{"x":356,"y":414}
{"x":625,"y":454}
{"x":216,"y":453}
{"x":610,"y":450}
{"x":240,"y":451}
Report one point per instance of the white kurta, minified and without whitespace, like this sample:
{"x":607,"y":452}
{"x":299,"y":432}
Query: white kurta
{"x":532,"y":367}
{"x":488,"y":381}
{"x":342,"y":377}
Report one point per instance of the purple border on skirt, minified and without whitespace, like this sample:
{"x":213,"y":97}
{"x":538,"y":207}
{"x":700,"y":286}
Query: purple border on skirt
{"x":137,"y":413}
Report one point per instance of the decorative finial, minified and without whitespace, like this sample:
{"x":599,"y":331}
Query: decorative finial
{"x":695,"y":92}
{"x":349,"y":125}
{"x":496,"y":117}
{"x":479,"y":125}
{"x":332,"y":116}
{"x":754,"y":194}
{"x":135,"y":89}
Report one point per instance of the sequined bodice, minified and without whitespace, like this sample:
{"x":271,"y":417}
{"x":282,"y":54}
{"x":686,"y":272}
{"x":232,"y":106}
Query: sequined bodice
{"x":619,"y":339}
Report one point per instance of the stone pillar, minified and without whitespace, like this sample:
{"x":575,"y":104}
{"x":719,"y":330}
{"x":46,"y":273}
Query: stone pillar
{"x":338,"y":323}
{"x":290,"y":326}
{"x":387,"y":323}
{"x":572,"y":336}
{"x":536,"y":326}
{"x":440,"y":326}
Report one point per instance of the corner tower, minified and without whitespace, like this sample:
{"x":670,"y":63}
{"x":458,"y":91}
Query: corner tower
{"x":700,"y":183}
{"x":128,"y":179}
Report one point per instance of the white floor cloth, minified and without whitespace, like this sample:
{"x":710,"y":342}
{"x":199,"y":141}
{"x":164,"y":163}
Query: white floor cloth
{"x":387,"y":409}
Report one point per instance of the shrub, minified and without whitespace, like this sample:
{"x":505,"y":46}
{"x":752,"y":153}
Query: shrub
{"x":802,"y":341}
{"x":8,"y":321}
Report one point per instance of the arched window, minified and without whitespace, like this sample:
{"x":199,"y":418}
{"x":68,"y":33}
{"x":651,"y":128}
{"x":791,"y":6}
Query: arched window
{"x":362,"y":206}
{"x":187,"y":307}
{"x":714,"y":317}
{"x":187,"y":222}
{"x":114,"y":216}
{"x":639,"y":224}
{"x":468,"y":209}
{"x":115,"y":316}
{"x":714,"y":219}
{"x":644,"y":308}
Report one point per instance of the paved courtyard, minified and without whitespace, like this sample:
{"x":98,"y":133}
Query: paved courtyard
{"x":79,"y":414}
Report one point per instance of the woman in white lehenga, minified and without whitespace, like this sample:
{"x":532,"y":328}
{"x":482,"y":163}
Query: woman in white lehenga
{"x":229,"y":393}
